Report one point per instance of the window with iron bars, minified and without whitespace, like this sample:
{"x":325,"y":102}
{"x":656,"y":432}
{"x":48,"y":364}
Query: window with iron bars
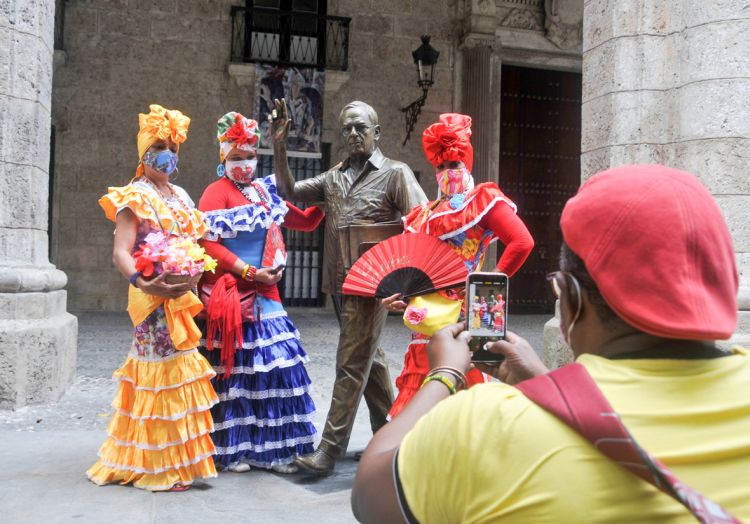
{"x":302,"y":280}
{"x":289,"y":33}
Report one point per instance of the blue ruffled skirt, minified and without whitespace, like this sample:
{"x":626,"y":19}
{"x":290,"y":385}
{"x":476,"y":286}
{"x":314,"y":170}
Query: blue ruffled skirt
{"x":264,"y":417}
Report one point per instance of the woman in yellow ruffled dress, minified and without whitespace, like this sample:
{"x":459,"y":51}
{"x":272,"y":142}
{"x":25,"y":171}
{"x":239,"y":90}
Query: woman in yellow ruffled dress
{"x":159,"y":436}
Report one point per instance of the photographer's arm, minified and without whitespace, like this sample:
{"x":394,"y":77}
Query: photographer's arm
{"x":374,"y":497}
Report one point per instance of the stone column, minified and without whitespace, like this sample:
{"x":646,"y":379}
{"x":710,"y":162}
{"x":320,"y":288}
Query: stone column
{"x":478,"y":70}
{"x":37,"y":335}
{"x":668,"y":81}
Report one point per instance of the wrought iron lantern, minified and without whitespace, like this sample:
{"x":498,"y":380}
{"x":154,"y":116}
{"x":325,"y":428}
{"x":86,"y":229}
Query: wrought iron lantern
{"x":425,"y":58}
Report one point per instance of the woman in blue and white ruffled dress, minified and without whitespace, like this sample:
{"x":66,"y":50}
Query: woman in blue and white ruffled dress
{"x":264,"y":417}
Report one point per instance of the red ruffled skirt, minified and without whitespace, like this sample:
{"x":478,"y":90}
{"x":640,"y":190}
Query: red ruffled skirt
{"x":416,"y":367}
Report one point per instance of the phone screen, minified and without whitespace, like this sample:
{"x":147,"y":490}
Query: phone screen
{"x":486,"y":312}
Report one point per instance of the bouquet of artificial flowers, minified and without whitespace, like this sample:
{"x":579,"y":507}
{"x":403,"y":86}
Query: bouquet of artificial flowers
{"x":181,"y":256}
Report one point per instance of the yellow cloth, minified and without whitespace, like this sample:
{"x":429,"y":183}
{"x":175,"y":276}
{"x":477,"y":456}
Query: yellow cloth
{"x":491,"y":455}
{"x":438,"y":312}
{"x":159,"y":124}
{"x":179,"y":312}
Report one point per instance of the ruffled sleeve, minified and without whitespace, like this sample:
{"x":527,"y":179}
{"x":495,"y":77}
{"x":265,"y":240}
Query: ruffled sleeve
{"x":453,"y":217}
{"x":449,"y":222}
{"x":145,"y":205}
{"x":226,"y":223}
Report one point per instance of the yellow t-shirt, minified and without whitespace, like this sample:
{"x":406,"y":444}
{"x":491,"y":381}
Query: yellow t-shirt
{"x":490,"y":455}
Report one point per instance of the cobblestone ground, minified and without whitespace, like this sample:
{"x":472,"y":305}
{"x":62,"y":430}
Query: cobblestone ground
{"x":47,"y":448}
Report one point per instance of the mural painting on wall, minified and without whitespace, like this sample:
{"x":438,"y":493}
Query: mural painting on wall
{"x":302,"y":88}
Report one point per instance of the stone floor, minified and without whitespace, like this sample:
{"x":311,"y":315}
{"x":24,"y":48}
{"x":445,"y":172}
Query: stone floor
{"x":46,"y":449}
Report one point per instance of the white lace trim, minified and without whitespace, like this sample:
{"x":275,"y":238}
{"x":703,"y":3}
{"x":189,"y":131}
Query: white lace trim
{"x":176,"y":354}
{"x":263,"y":422}
{"x":270,"y":316}
{"x":208,"y":374}
{"x":266,"y":446}
{"x":478,"y":218}
{"x":125,"y":467}
{"x":268,"y":465}
{"x":262,"y":342}
{"x":178,"y":416}
{"x":157,"y":447}
{"x":226,"y":223}
{"x":279,"y":363}
{"x":234,"y":393}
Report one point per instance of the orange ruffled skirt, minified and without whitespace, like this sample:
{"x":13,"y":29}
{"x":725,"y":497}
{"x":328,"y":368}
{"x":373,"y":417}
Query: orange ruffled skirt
{"x":159,"y":435}
{"x":416,"y":367}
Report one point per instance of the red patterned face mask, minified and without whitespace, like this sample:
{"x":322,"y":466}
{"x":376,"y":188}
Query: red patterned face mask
{"x":241,"y":171}
{"x":453,"y":181}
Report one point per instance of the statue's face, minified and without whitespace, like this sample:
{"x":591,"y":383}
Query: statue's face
{"x":359,"y":134}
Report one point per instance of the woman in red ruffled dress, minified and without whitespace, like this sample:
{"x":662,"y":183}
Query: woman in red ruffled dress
{"x":468,"y":219}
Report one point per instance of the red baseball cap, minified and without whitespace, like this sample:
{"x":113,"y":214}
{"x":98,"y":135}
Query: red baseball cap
{"x":657,"y":246}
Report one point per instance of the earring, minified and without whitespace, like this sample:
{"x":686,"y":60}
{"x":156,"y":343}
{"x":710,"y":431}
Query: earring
{"x":220,"y":170}
{"x":174,"y":174}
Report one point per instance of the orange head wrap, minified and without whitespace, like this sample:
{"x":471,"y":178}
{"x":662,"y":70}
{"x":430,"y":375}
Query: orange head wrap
{"x":449,"y":140}
{"x":160,"y":124}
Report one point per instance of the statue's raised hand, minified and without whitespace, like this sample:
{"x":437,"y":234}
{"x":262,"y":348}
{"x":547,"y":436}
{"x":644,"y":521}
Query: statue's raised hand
{"x":280,"y":122}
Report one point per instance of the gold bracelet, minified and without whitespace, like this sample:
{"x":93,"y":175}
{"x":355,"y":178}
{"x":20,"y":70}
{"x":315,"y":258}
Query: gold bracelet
{"x":245,"y":270}
{"x":446,"y":382}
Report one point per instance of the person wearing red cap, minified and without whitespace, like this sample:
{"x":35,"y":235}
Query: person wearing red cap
{"x":468,"y":219}
{"x":656,"y":425}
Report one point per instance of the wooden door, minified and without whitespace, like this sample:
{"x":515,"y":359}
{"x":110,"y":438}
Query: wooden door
{"x":540,"y":168}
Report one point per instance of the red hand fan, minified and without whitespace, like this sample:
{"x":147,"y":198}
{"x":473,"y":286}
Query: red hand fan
{"x":411,"y":264}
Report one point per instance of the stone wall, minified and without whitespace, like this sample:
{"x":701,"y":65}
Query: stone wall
{"x":37,"y":335}
{"x":669,"y":82}
{"x":122,"y":55}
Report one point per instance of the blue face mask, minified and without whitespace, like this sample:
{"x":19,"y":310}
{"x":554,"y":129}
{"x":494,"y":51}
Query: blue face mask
{"x":164,"y":161}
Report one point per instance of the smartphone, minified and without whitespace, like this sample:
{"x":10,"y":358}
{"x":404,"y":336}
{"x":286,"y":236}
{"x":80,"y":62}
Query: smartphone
{"x":278,"y":268}
{"x":486,"y":313}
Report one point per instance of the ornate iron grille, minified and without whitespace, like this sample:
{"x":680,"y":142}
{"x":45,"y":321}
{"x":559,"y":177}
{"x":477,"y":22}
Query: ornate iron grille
{"x":300,"y":285}
{"x":289,"y":38}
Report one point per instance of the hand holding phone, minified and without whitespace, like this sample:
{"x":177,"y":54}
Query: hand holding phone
{"x":486,"y":313}
{"x":520,"y":362}
{"x":277,"y":269}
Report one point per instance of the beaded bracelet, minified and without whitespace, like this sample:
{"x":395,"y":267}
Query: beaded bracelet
{"x":456,"y":373}
{"x":446,"y":382}
{"x":248,"y":272}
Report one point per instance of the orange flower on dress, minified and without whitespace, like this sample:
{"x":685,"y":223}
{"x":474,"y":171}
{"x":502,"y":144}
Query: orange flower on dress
{"x":469,"y":248}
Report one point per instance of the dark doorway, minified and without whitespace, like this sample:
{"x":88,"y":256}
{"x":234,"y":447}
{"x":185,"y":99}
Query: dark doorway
{"x":300,"y":285}
{"x":540,"y":168}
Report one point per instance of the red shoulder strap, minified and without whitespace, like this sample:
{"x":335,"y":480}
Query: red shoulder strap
{"x":571,"y":395}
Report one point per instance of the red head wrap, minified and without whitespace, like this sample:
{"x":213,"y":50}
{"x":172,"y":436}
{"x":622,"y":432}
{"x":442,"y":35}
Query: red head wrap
{"x":449,"y":140}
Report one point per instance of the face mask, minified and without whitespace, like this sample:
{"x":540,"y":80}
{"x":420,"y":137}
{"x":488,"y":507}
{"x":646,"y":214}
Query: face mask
{"x":241,"y":171}
{"x":453,"y":181}
{"x":164,"y":161}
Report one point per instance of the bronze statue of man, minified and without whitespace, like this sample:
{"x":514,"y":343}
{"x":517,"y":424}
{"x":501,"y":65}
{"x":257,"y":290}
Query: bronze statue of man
{"x":367,"y":187}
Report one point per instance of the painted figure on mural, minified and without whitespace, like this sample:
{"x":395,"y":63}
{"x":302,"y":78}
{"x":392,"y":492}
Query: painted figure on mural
{"x":369,"y":188}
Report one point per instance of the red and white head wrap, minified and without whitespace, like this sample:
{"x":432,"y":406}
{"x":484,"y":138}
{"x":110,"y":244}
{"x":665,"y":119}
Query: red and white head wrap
{"x":236,"y":131}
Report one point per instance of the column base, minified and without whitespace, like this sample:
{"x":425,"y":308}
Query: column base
{"x":38,"y":342}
